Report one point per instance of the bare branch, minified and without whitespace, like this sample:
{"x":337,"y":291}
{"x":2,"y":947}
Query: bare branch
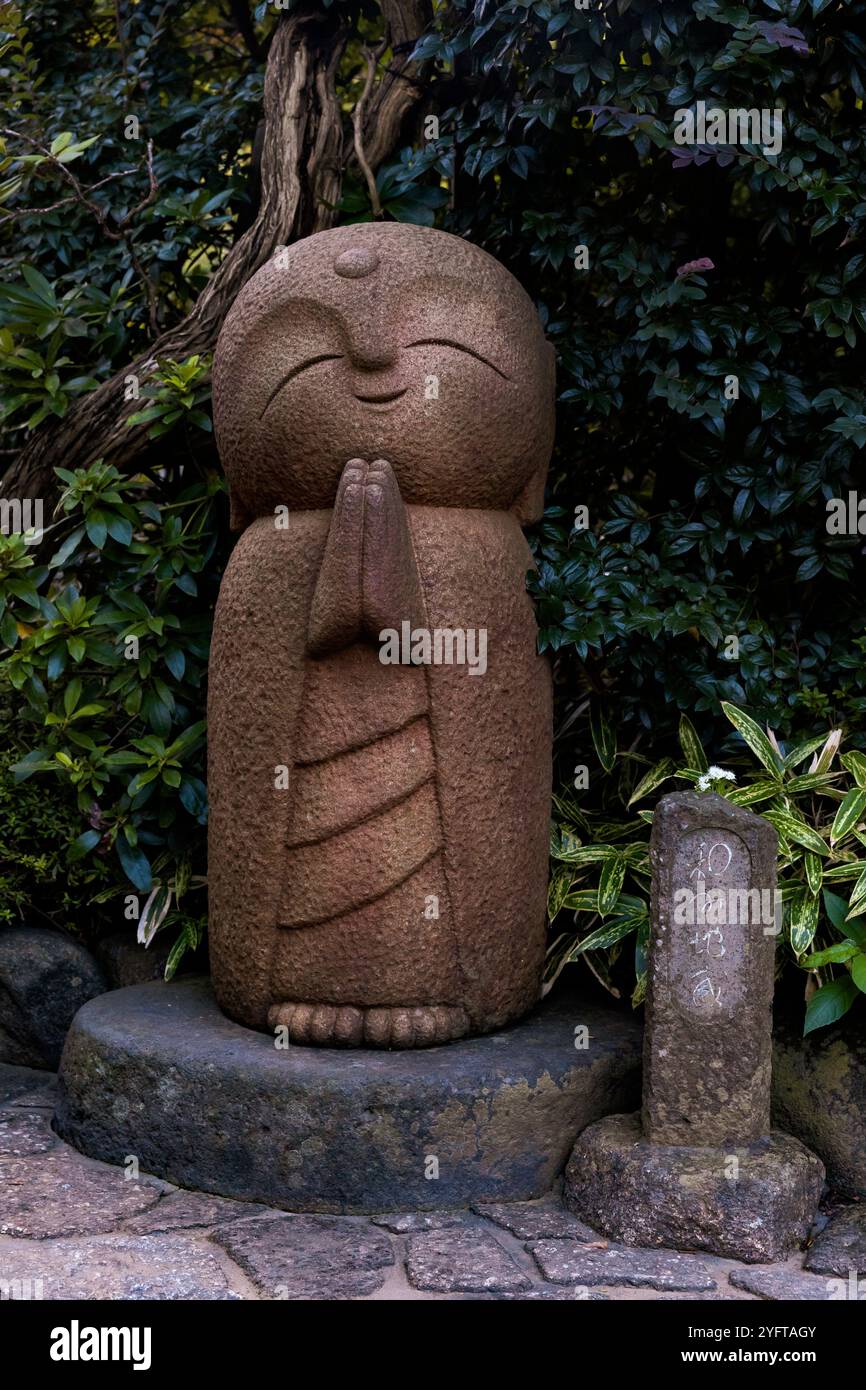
{"x":358,"y":127}
{"x":398,"y":91}
{"x":240,"y":14}
{"x":81,"y":194}
{"x":151,"y":196}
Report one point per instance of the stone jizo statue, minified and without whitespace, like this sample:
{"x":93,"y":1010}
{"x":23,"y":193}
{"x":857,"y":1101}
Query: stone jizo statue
{"x":380,"y":721}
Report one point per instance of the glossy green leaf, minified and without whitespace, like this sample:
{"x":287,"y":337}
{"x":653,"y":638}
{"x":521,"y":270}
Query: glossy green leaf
{"x":82,"y":844}
{"x":610,"y":884}
{"x":803,"y":921}
{"x":603,"y":736}
{"x":848,"y":815}
{"x":814,"y":872}
{"x":798,"y":831}
{"x":584,"y":900}
{"x":135,"y":864}
{"x":855,"y":762}
{"x":755,"y":738}
{"x":652,"y":779}
{"x":557,"y":889}
{"x":829,"y":1003}
{"x":603,"y":937}
{"x":693,"y":751}
{"x":835,"y":955}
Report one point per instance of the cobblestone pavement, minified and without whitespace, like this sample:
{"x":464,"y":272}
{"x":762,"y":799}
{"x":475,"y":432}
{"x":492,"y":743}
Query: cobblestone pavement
{"x":72,"y":1227}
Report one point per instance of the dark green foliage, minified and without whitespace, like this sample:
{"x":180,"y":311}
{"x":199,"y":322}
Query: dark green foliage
{"x":706,"y":516}
{"x":179,"y":79}
{"x":37,"y":882}
{"x":107,"y":653}
{"x":109,"y":751}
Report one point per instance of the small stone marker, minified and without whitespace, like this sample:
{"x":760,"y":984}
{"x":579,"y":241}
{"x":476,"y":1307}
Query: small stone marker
{"x":707,"y":1045}
{"x":699,"y":1168}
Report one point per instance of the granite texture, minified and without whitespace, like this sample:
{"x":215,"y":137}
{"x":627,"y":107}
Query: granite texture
{"x":467,"y":1261}
{"x":113,"y":1267}
{"x":161,"y":1073}
{"x":698,"y":1168}
{"x":753,"y":1203}
{"x":841,"y":1247}
{"x":383,"y":403}
{"x":819,"y":1094}
{"x":537,"y":1220}
{"x":570,"y":1262}
{"x":185,"y":1245}
{"x":707,"y":1040}
{"x":309,"y":1257}
{"x":784,"y":1285}
{"x":45,"y":977}
{"x":63,"y":1194}
{"x":26,"y":1132}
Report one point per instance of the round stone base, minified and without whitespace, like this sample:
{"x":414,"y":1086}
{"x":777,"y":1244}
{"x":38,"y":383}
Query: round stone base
{"x":754,"y":1203}
{"x":156,"y":1071}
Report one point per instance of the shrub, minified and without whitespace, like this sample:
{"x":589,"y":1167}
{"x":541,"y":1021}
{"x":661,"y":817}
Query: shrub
{"x":38,"y":885}
{"x":706,"y":515}
{"x":107,"y":648}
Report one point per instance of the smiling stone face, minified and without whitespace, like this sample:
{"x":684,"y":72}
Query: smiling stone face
{"x":382,"y":341}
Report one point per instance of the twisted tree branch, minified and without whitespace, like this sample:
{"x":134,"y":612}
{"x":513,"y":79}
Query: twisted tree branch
{"x":358,"y":129}
{"x":303,"y":157}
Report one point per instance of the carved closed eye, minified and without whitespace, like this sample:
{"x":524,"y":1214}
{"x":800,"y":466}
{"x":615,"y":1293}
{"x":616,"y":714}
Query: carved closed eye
{"x":302,"y":367}
{"x":459,"y":347}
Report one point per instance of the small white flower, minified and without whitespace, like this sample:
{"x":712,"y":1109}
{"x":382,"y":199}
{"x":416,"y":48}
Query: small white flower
{"x":715,"y":774}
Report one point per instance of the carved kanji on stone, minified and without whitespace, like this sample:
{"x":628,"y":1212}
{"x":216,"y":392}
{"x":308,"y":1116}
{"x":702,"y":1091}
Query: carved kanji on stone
{"x":699,"y":1167}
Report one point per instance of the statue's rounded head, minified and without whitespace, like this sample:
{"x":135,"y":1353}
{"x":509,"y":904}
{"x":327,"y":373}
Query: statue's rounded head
{"x":383,"y":340}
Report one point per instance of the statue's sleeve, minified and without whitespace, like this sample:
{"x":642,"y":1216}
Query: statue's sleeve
{"x":254,"y":702}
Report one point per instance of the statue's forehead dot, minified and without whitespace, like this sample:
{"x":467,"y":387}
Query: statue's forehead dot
{"x":355,"y":262}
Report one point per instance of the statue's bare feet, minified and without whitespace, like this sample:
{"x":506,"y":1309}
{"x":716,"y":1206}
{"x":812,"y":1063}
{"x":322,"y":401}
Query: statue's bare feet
{"x":345,"y":1025}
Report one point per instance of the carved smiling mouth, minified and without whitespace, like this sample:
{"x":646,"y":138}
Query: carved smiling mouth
{"x":381,"y":397}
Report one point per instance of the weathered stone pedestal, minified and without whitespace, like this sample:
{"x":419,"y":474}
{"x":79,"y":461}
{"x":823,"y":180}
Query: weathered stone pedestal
{"x":158,"y":1072}
{"x":752,"y":1203}
{"x":699,"y":1168}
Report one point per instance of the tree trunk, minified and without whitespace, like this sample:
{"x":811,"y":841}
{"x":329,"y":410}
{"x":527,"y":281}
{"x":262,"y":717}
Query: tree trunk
{"x":303,"y":157}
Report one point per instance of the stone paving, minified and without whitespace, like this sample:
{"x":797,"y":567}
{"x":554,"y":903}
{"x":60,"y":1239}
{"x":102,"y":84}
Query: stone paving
{"x":74,"y":1228}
